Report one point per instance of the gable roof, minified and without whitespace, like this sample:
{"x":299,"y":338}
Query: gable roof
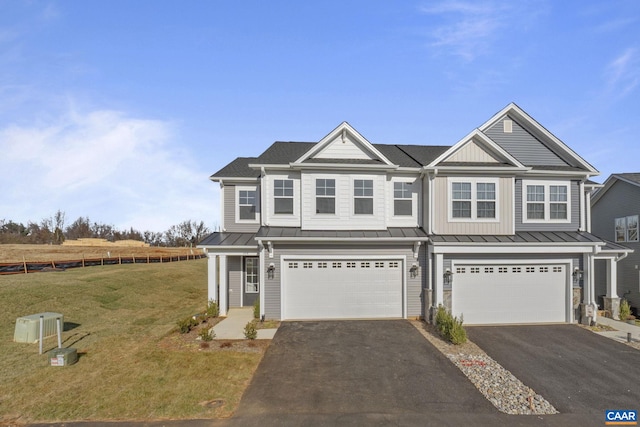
{"x":539,"y":132}
{"x":629,"y":178}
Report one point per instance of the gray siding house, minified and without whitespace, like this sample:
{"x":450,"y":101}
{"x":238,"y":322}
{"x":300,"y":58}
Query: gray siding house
{"x":615,"y":211}
{"x":494,"y":227}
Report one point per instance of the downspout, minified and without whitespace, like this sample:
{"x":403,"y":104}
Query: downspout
{"x":263,"y":206}
{"x":621,"y":257}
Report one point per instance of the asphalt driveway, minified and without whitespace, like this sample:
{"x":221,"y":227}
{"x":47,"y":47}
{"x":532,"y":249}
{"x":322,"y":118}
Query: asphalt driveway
{"x":576,"y":370}
{"x":346,"y":368}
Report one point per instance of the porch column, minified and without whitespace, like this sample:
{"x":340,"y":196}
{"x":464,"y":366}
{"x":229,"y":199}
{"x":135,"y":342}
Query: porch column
{"x":611,"y":300}
{"x":212,"y":273}
{"x":263,"y":279}
{"x":223,"y":285}
{"x":439,"y":281}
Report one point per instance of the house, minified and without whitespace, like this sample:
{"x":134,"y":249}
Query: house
{"x":616,"y":207}
{"x":495,"y":227}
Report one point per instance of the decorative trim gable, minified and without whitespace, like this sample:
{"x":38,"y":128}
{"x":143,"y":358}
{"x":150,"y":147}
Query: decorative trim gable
{"x":344,"y":142}
{"x":546,"y":137}
{"x":475,"y":148}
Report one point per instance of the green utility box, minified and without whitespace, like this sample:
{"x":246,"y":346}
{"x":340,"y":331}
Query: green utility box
{"x":63,"y":356}
{"x":28,"y":327}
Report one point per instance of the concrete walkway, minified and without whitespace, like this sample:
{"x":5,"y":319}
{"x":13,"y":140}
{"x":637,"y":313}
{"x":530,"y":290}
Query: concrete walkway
{"x":622,"y":328}
{"x":232,"y":327}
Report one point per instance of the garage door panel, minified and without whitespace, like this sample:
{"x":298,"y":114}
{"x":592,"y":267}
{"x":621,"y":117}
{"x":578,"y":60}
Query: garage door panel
{"x":510,"y":294}
{"x":342,"y":289}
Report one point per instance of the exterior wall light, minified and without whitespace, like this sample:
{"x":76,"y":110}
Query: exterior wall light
{"x":271,"y":270}
{"x":577,"y":275}
{"x":448,"y":277}
{"x":414,"y":270}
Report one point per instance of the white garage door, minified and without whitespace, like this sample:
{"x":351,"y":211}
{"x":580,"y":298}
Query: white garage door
{"x":528,"y":293}
{"x":342,"y":289}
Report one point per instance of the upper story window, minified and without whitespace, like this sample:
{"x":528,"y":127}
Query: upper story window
{"x":402,"y":199}
{"x":325,"y":196}
{"x":546,"y":201}
{"x":283,"y":196}
{"x":473,"y":199}
{"x":247,"y":205}
{"x":363,"y":196}
{"x":627,"y":229}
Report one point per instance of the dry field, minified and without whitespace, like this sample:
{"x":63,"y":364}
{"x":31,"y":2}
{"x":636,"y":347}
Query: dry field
{"x":45,"y":253}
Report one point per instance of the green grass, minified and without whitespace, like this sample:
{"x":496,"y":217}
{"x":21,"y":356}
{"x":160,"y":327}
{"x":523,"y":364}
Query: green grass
{"x":123,"y":312}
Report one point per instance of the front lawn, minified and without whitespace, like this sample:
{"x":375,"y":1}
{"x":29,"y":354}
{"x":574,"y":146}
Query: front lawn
{"x":117,"y":317}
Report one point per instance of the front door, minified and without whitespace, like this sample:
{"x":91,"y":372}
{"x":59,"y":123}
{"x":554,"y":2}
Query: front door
{"x":251,"y":280}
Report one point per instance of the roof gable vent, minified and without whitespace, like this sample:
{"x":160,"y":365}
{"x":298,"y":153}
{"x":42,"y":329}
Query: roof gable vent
{"x":507,"y":125}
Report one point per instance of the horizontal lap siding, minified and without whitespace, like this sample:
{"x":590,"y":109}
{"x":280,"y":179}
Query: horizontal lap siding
{"x":230,"y":223}
{"x":622,"y":199}
{"x":548,"y":226}
{"x":414,"y":285}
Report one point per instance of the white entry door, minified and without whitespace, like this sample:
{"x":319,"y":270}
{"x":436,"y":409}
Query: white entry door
{"x":503,"y":293}
{"x":342,"y":289}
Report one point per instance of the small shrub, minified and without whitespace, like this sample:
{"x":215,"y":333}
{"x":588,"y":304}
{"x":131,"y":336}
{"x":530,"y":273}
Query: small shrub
{"x":206,"y":335}
{"x":250,"y":331}
{"x":625,"y":310}
{"x":185,"y":325}
{"x":256,"y":309}
{"x":213,"y":309}
{"x":450,"y":327}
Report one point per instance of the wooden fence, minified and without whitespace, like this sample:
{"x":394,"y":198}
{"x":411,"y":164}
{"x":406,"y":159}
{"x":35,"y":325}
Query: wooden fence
{"x":42,"y":266}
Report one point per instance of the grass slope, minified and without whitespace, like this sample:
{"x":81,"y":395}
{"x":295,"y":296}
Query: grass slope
{"x":122,"y":312}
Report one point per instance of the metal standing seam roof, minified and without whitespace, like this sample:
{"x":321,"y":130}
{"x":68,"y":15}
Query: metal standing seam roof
{"x":229,"y":239}
{"x":544,"y":237}
{"x":295,"y":233}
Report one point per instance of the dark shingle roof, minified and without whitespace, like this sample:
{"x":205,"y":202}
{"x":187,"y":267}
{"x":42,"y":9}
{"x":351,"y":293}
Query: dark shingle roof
{"x":239,"y":168}
{"x":424,"y":154}
{"x":284,"y":152}
{"x":635,"y":177}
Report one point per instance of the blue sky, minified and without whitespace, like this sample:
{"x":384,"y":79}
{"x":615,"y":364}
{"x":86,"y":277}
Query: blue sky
{"x":121,"y":110}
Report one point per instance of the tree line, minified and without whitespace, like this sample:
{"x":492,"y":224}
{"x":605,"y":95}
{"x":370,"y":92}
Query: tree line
{"x":53,"y":230}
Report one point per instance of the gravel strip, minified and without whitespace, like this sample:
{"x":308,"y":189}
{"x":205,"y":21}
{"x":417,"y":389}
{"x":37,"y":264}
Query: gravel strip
{"x":499,"y":386}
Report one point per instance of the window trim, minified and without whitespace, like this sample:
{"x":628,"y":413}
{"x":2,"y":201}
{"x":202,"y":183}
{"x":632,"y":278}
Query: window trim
{"x":316,"y":196}
{"x":547,"y":201}
{"x":292,"y":197}
{"x":240,"y":188}
{"x":474,"y":198}
{"x":626,"y":229}
{"x":354,"y":197}
{"x":410,"y":198}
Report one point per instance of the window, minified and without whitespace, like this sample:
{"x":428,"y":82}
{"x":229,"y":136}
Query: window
{"x":473,"y":200}
{"x":336,"y":265}
{"x":460,"y":270}
{"x":307,"y":265}
{"x":293,"y":265}
{"x":503,"y":269}
{"x":531,"y":269}
{"x":627,"y":229}
{"x":363,"y":196}
{"x":247,"y":204}
{"x":251,"y":275}
{"x":546,"y":202}
{"x":351,"y":265}
{"x":365,"y":265}
{"x":393,"y":264}
{"x":283,"y":196}
{"x":402,"y":200}
{"x":322,"y":265}
{"x":325,"y":196}
{"x":379,"y":264}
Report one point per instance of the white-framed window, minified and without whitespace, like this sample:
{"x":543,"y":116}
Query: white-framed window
{"x":282,"y":196}
{"x":627,"y":229}
{"x":473,"y":199}
{"x":546,"y":201}
{"x":402,"y":199}
{"x":247,"y":204}
{"x":252,"y":276}
{"x":325,"y":196}
{"x":363,"y":197}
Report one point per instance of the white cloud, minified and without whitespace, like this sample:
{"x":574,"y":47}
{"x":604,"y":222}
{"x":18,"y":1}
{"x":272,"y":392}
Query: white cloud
{"x":621,"y":73}
{"x":106,"y":165}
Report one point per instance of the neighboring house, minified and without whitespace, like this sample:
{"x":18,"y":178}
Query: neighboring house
{"x":616,"y":209}
{"x":495,"y":228}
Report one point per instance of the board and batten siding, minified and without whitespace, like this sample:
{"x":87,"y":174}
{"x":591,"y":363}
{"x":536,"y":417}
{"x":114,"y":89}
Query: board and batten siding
{"x":621,"y":200}
{"x":504,"y":210}
{"x":526,"y":148}
{"x":343,"y":148}
{"x":573,"y":225}
{"x":229,"y":212}
{"x":234,"y":266}
{"x":471,"y":152}
{"x":344,"y":217}
{"x":273,"y":290}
